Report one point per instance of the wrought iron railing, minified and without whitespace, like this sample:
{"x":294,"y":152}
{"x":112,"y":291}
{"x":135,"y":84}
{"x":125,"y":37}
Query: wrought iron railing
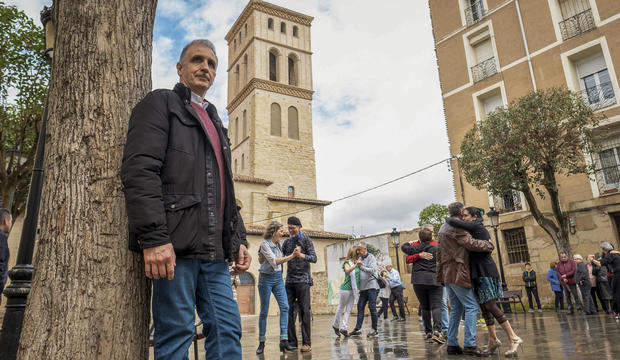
{"x":608,"y":179}
{"x":475,"y":12}
{"x":577,"y":24}
{"x":600,"y":96}
{"x":484,"y":69}
{"x":509,"y":202}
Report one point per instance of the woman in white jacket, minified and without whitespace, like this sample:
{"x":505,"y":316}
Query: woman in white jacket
{"x":348,"y":292}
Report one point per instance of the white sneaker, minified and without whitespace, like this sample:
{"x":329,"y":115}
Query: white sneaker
{"x":530,"y":310}
{"x":539,"y":310}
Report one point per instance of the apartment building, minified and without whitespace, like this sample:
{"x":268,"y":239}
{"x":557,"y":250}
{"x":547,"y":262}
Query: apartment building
{"x":491,"y":52}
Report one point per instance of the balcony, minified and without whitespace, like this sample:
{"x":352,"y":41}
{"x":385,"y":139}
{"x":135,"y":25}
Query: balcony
{"x":577,"y":25}
{"x":484,"y":70}
{"x":608,"y":179}
{"x":474,"y":13}
{"x":600,"y":96}
{"x":509,"y":202}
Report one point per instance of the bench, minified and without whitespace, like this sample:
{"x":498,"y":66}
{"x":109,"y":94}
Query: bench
{"x":512,"y":297}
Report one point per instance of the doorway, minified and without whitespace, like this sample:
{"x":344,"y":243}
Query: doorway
{"x":246,"y":294}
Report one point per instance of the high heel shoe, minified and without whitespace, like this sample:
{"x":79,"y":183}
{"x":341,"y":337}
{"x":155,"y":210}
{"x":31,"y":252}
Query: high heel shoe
{"x":513,"y":352}
{"x":493,"y":345}
{"x":261,"y":348}
{"x":285,"y":346}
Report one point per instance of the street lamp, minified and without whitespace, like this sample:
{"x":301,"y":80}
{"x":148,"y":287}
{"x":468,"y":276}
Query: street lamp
{"x":494,"y":219}
{"x":396,"y":242}
{"x":21,"y":274}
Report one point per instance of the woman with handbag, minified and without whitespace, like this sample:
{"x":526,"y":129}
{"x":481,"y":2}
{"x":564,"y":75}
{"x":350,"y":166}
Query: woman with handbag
{"x":270,"y":281}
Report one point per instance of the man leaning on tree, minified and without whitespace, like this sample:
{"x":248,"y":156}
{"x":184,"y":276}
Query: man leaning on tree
{"x":182,"y":213}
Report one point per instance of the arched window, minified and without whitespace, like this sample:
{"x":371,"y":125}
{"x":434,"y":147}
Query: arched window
{"x":292,"y":72}
{"x":245,"y":125}
{"x":293,"y":123}
{"x":237,"y":130}
{"x":273,"y":66}
{"x":295,"y":31}
{"x":239,"y":38}
{"x":235,"y":44}
{"x":242,"y":161}
{"x":246,"y":29}
{"x":270,"y":23}
{"x":235,"y":166}
{"x":237,"y":77}
{"x":291,"y":191}
{"x":283,"y":27}
{"x":276,"y":120}
{"x":245,"y":68}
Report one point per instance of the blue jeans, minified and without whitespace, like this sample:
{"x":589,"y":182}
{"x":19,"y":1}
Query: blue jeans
{"x":462,"y":299}
{"x":444,"y":311}
{"x":204,"y":287}
{"x":367,"y":297}
{"x":268,"y":283}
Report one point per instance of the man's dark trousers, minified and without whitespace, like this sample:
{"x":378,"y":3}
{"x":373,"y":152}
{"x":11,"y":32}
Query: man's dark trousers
{"x":571,"y":289}
{"x":532,"y":291}
{"x":367,"y":297}
{"x":299,"y":293}
{"x":397,"y":295}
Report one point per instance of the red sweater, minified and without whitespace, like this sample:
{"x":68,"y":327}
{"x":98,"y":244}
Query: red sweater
{"x":567,"y":268}
{"x":413,"y":258}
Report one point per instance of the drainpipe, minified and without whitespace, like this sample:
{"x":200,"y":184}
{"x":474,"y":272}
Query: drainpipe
{"x":527,"y":51}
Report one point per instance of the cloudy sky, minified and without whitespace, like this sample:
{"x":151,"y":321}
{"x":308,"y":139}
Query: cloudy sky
{"x":377,"y":109}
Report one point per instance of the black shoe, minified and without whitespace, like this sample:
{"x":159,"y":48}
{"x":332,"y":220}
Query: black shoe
{"x":428,"y":337}
{"x":454,"y":350}
{"x":286,"y":346}
{"x":372,"y":333}
{"x":474,"y":351}
{"x":395,"y":318}
{"x":261,"y":348}
{"x":336,"y":330}
{"x":355,"y":332}
{"x":401,"y":319}
{"x":345,"y":333}
{"x":292,"y":345}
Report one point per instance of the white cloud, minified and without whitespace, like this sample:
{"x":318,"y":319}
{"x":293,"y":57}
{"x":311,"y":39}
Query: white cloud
{"x":32,"y":8}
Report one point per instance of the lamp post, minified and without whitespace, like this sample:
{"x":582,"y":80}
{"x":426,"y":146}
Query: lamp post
{"x":396,"y":242}
{"x":21,"y":274}
{"x":494,"y":219}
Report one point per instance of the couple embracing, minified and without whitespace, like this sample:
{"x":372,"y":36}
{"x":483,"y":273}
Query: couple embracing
{"x":466,"y":268}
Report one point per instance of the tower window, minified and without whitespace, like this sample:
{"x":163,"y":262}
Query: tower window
{"x":245,"y":125}
{"x":293,"y":123}
{"x":292,"y":73}
{"x":235,"y":44}
{"x":273,"y":68}
{"x":242,"y":161}
{"x":291,"y":191}
{"x":236,"y":130}
{"x":238,"y":76}
{"x":235,"y":166}
{"x":245,"y":27}
{"x":276,"y":120}
{"x":270,"y":23}
{"x":295,"y":31}
{"x":245,"y":68}
{"x":239,"y":38}
{"x":283,"y":28}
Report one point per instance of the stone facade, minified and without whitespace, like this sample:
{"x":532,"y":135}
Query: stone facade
{"x":494,"y":52}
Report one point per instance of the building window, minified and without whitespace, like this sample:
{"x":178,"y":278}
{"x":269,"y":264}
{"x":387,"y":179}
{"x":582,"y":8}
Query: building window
{"x":595,"y":82}
{"x":474,"y":11}
{"x":235,"y":44}
{"x":607,"y":172}
{"x":245,"y":27}
{"x":576,"y":18}
{"x":245,"y":124}
{"x":283,"y":28}
{"x":291,"y":191}
{"x":516,"y":246}
{"x":235,"y":166}
{"x":270,"y":24}
{"x":276,"y":120}
{"x":292,"y":71}
{"x":245,"y":68}
{"x":239,"y":38}
{"x":273,"y":66}
{"x":237,"y":77}
{"x":483,"y":55}
{"x":508,"y":202}
{"x":242,"y":162}
{"x":237,"y":130}
{"x":293,"y":123}
{"x":295,"y":31}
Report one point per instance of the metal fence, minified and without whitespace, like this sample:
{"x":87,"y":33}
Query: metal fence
{"x":577,"y":24}
{"x":484,"y":69}
{"x":510,"y":201}
{"x":475,"y":12}
{"x":600,"y":96}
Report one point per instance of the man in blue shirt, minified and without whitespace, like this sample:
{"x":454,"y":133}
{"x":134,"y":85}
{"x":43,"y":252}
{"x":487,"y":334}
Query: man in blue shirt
{"x":397,"y":293}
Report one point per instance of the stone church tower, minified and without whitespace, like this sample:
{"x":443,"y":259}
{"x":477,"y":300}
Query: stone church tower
{"x":270,"y":128}
{"x":270,"y":114}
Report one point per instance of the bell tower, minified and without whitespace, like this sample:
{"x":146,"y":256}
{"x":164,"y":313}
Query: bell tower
{"x":270,"y":108}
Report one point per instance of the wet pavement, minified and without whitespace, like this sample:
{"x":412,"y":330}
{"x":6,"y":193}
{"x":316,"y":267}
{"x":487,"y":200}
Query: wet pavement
{"x":547,"y":335}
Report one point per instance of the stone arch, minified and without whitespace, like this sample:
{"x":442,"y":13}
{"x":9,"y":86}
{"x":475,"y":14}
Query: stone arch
{"x":293,"y":123}
{"x":274,"y":69}
{"x":293,"y":69}
{"x":276,"y":119}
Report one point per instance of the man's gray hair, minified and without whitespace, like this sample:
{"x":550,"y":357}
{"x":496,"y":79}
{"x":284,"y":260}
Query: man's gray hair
{"x":5,"y":214}
{"x":271,"y":229}
{"x":362,"y":244}
{"x":577,"y":256}
{"x":607,"y":246}
{"x":455,"y":208}
{"x":204,"y":42}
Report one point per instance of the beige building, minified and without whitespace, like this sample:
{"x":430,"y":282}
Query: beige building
{"x":270,"y":127}
{"x":491,"y":52}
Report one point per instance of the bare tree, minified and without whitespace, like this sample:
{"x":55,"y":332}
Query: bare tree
{"x":89,"y":298}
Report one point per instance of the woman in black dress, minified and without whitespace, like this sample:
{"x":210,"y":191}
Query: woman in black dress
{"x":486,"y":282}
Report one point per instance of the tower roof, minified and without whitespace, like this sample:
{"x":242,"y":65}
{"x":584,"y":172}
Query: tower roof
{"x":268,"y":8}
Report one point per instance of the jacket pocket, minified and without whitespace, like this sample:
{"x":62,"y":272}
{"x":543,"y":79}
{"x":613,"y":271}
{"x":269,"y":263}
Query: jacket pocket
{"x":182,"y":217}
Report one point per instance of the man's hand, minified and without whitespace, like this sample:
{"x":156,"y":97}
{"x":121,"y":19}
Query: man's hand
{"x":426,"y":255}
{"x":243,"y":260}
{"x":359,"y":263}
{"x":159,"y":262}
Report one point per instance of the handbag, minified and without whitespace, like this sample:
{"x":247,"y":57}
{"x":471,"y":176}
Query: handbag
{"x":380,"y":281}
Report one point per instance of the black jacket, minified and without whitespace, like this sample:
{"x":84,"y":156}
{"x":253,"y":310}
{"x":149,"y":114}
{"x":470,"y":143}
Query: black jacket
{"x":424,"y":271}
{"x":481,"y":264}
{"x":582,"y":276}
{"x":4,"y":258}
{"x":298,"y":270}
{"x":529,"y":278}
{"x":171,"y":180}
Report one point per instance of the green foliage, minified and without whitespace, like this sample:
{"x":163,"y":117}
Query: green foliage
{"x":373,"y":250}
{"x":525,"y":146}
{"x":434,"y":214}
{"x":24,"y":74}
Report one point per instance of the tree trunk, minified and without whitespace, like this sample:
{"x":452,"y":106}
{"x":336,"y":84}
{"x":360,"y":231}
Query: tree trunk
{"x":561,"y":244}
{"x":90,"y":299}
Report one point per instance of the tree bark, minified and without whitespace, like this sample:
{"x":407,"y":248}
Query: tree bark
{"x":90,"y":299}
{"x":551,"y":228}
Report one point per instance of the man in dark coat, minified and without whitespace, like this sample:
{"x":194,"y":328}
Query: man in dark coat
{"x":182,"y":212}
{"x":582,"y":278}
{"x":6,"y":222}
